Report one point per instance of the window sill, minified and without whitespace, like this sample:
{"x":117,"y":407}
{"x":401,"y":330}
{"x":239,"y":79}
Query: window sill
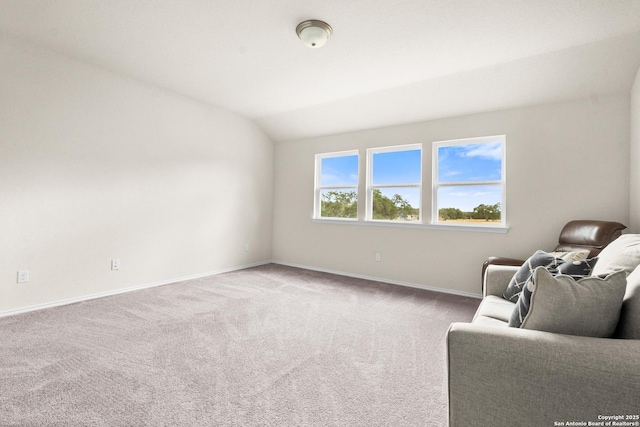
{"x":420,"y":225}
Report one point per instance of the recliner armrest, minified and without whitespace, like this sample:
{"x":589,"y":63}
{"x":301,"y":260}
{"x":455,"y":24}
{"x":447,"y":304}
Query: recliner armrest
{"x":498,"y":260}
{"x":501,"y":376}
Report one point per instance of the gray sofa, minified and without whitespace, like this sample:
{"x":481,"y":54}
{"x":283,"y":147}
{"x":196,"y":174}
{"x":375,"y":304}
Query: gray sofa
{"x":508,"y":376}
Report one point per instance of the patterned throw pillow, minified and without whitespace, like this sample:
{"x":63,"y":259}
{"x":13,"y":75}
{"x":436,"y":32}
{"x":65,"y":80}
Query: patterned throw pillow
{"x":575,"y":269}
{"x":587,"y":307}
{"x":578,"y":269}
{"x":538,"y":259}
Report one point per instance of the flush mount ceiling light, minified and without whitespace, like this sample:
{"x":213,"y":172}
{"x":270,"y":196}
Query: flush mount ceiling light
{"x":314,"y":33}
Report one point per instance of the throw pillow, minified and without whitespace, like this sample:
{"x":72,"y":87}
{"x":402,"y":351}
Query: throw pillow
{"x":575,"y":269}
{"x":578,"y":269}
{"x":623,"y":253}
{"x":588,"y":307}
{"x":571,"y":256}
{"x":517,"y":282}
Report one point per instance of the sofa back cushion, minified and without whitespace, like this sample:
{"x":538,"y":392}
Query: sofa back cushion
{"x":629,"y":324}
{"x":624,"y":253}
{"x":621,"y":254}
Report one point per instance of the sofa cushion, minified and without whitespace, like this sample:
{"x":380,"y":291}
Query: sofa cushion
{"x":575,"y":269}
{"x":621,"y":254}
{"x":588,"y":307}
{"x":495,"y":308}
{"x":489,"y":321}
{"x":517,"y":282}
{"x":629,"y":324}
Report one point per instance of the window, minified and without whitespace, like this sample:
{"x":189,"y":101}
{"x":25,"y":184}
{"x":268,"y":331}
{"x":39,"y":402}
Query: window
{"x":468,"y":187}
{"x":394,"y":182}
{"x":469,"y":181}
{"x":336,"y":185}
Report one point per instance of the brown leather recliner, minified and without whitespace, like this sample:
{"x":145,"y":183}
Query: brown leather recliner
{"x":576,"y":235}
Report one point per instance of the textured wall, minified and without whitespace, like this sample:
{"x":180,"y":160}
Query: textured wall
{"x":564,"y":161}
{"x":634,"y":214}
{"x":95,"y":166}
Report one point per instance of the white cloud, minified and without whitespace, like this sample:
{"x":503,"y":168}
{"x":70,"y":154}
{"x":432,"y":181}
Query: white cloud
{"x":491,"y":151}
{"x":485,"y":193}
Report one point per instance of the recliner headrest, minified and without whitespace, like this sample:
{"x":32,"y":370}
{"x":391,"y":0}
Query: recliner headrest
{"x":588,"y":234}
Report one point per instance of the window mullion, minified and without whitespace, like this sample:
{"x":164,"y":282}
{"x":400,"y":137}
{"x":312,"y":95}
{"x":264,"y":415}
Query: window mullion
{"x":395,"y":185}
{"x":459,"y":183}
{"x":338,"y":187}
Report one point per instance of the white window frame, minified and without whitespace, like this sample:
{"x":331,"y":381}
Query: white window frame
{"x":502,"y":182}
{"x":317,"y":203}
{"x":371,"y":186}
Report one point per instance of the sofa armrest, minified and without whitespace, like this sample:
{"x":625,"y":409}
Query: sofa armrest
{"x":496,"y":260}
{"x":496,"y":279}
{"x":501,"y":376}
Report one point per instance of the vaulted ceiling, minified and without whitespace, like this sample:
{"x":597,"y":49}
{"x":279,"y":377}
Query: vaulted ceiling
{"x":387,"y":62}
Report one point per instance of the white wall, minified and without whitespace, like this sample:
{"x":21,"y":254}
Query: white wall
{"x":564,"y":161}
{"x":634,"y":220}
{"x":95,"y":166}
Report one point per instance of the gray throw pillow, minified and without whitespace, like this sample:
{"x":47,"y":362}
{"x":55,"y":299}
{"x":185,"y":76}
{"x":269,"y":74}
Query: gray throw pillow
{"x":575,"y":269}
{"x":587,"y":307}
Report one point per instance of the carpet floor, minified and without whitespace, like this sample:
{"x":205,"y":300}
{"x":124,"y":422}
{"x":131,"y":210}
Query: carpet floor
{"x":265,"y":346}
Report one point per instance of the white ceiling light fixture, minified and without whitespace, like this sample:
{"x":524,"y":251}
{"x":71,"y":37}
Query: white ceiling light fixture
{"x":314,"y":33}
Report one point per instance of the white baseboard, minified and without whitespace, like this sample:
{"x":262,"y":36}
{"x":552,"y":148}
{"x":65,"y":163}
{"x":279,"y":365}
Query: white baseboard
{"x":122,"y":291}
{"x":380,"y":279}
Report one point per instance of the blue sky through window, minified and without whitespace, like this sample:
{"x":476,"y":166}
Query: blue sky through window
{"x":471,"y":162}
{"x":397,"y":167}
{"x":342,"y":170}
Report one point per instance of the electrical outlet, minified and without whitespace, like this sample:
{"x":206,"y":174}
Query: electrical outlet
{"x":377,"y":256}
{"x":246,"y":247}
{"x":115,"y":264}
{"x":23,"y":276}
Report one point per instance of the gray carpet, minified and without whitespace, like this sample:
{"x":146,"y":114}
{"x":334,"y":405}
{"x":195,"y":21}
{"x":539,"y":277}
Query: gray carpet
{"x":266,"y":346}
